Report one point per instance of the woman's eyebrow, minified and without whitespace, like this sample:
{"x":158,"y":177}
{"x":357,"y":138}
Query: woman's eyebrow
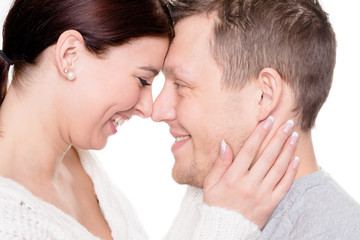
{"x":150,"y":69}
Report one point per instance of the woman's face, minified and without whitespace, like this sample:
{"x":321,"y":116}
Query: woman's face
{"x":110,"y":89}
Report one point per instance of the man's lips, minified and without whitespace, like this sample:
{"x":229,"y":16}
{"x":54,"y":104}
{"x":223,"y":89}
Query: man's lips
{"x":180,"y":140}
{"x":179,"y":136}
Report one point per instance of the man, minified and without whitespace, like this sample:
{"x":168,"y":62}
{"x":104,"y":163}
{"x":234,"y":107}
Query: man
{"x":230,"y":66}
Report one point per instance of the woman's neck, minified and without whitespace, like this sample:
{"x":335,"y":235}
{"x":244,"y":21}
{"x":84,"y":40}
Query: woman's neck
{"x":31,"y":143}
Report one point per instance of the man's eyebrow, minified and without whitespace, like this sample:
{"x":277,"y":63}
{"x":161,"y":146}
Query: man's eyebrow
{"x":174,"y":70}
{"x":150,"y":69}
{"x":168,"y":70}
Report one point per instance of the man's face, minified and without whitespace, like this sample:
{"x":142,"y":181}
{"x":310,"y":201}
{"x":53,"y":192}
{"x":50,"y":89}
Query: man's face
{"x":199,"y":111}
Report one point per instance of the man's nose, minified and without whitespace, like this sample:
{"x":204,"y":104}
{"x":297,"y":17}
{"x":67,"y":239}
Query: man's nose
{"x":164,"y":106}
{"x":144,"y":106}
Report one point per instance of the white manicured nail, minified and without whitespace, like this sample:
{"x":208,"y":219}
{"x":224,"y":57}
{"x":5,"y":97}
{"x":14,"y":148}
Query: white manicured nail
{"x":289,"y":126}
{"x":222,"y":148}
{"x":296,"y":162}
{"x":294,"y":137}
{"x":269,"y":122}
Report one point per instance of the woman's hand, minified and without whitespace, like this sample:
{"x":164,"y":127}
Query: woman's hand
{"x":256,"y":192}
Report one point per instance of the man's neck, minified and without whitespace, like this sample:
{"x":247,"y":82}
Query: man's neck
{"x":305,"y":151}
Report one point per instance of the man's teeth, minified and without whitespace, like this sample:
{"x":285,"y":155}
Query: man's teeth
{"x":118,"y":121}
{"x":179,"y":139}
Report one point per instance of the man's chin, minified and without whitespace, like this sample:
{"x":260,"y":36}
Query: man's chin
{"x":184,"y":176}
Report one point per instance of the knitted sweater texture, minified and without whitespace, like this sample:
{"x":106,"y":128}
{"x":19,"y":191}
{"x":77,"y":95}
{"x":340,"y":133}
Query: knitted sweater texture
{"x":26,"y":217}
{"x":23,"y":216}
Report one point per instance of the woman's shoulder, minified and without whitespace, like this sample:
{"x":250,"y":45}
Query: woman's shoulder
{"x":24,"y":216}
{"x":11,"y":191}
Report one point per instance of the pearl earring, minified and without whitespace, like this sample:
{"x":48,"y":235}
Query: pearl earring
{"x":69,"y":74}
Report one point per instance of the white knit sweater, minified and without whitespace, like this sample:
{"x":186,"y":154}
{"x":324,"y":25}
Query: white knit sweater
{"x":198,"y":221}
{"x":25,"y":217}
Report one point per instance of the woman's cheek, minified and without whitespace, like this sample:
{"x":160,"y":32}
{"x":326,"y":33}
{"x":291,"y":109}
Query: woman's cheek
{"x":128,"y":97}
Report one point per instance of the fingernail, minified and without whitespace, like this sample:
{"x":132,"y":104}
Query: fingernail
{"x":296,"y":162}
{"x":289,"y":125}
{"x":294,"y":137}
{"x":269,"y":122}
{"x":222,"y":148}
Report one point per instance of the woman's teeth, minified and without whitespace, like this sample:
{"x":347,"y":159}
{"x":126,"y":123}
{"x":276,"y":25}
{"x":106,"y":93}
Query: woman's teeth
{"x":118,"y":121}
{"x":179,"y":139}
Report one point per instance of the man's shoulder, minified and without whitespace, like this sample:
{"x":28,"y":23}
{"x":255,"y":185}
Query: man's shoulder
{"x":315,"y":205}
{"x":317,"y":191}
{"x":318,"y":199}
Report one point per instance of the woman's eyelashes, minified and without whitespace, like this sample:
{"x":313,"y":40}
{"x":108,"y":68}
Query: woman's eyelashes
{"x":144,"y":82}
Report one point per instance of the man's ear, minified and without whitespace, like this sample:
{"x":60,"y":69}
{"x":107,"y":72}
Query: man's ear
{"x":67,"y":51}
{"x":271,"y":86}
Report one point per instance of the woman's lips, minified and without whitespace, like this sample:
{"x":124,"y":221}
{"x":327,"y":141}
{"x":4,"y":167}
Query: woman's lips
{"x":116,"y":121}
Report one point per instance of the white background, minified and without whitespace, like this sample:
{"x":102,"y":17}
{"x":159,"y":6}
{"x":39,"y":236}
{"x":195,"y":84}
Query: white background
{"x":139,"y":160}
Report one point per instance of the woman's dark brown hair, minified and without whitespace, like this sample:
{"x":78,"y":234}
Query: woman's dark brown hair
{"x":33,"y":25}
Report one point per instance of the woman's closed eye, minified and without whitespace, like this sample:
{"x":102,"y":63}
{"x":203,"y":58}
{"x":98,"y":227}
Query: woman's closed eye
{"x":144,"y":82}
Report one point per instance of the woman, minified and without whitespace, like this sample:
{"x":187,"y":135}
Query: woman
{"x":81,"y":68}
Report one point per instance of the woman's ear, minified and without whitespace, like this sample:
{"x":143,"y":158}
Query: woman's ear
{"x":67,"y":51}
{"x":271,"y":86}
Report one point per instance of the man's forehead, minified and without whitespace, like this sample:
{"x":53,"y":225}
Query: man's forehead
{"x":190,"y":49}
